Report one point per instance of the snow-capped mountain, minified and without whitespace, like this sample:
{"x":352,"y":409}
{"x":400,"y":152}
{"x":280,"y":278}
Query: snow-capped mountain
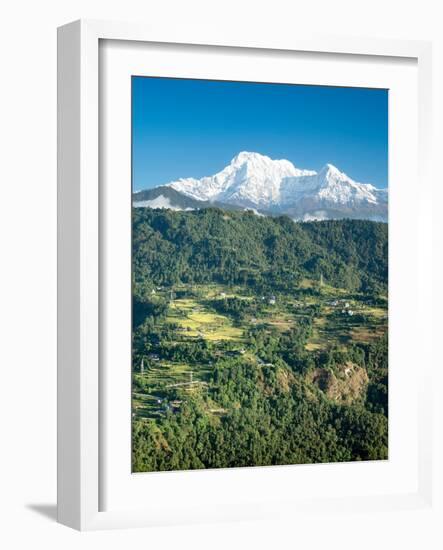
{"x":250,"y":179}
{"x":255,"y":181}
{"x":332,"y":194}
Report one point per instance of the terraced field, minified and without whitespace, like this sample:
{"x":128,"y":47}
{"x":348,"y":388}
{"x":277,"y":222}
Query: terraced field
{"x":195,"y":319}
{"x":193,"y":313}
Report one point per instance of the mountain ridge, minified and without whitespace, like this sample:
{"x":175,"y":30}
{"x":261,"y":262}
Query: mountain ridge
{"x":273,"y":187}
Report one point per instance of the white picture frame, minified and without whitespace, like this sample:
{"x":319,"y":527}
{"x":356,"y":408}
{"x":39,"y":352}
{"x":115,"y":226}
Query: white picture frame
{"x":80,"y":411}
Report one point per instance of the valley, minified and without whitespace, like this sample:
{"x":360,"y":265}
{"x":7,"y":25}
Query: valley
{"x":257,"y":340}
{"x":335,"y":317}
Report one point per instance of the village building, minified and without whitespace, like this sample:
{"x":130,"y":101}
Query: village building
{"x":175,"y":405}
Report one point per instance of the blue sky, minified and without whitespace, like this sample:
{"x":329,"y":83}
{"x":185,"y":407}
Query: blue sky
{"x":184,"y":128}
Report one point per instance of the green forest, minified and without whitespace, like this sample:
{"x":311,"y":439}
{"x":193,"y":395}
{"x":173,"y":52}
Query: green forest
{"x":257,"y":340}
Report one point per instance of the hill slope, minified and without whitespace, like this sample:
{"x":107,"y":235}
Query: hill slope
{"x":240,"y":247}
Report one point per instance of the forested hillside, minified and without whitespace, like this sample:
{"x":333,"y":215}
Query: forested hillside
{"x":257,"y":340}
{"x":243,"y":248}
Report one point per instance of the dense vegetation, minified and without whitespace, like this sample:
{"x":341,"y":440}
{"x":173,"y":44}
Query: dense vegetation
{"x":264,"y":252}
{"x":257,"y":340}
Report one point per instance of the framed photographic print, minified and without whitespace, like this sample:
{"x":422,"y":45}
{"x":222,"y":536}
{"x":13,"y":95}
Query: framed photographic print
{"x":235,"y":288}
{"x":260,"y":293}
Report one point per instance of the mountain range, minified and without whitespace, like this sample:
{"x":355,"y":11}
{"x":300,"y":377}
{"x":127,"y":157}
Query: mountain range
{"x":272,"y":187}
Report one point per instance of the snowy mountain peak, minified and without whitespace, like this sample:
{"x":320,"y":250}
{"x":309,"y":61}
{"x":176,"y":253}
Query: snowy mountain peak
{"x":253,"y":180}
{"x":248,"y":156}
{"x":329,"y":171}
{"x":256,"y":162}
{"x":250,"y":180}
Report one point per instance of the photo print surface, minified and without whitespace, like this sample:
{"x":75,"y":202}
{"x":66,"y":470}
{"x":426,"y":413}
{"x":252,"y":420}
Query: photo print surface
{"x":259,"y":274}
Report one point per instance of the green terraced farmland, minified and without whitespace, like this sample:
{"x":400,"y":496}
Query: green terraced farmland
{"x":199,"y":316}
